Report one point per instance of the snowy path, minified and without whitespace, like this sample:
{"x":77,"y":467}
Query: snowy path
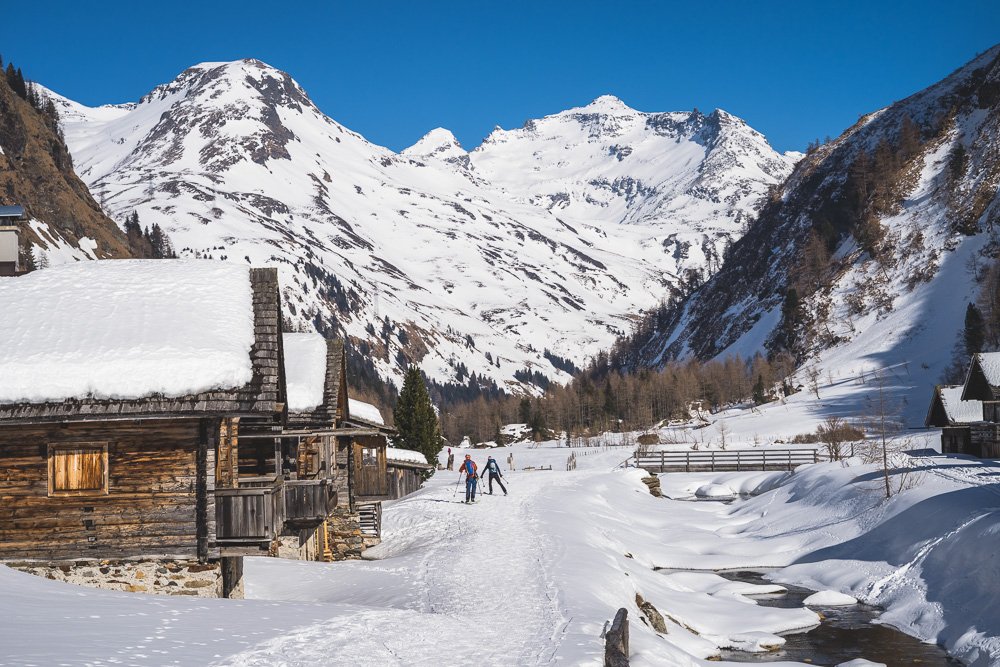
{"x":478,"y":577}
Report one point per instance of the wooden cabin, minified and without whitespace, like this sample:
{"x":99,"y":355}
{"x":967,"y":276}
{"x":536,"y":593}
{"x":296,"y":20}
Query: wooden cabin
{"x":346,"y":451}
{"x":10,"y":253}
{"x":982,"y":383}
{"x":129,"y":386}
{"x":406,"y":471}
{"x":956,"y":419}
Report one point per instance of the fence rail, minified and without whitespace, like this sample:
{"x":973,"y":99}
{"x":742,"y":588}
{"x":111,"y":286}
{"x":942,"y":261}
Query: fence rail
{"x":721,"y":461}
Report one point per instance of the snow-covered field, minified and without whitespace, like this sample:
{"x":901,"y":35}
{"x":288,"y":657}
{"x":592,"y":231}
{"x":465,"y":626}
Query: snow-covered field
{"x":533,"y":577}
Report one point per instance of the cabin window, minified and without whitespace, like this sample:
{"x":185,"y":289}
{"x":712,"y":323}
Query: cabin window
{"x":79,"y":469}
{"x":369,"y":456}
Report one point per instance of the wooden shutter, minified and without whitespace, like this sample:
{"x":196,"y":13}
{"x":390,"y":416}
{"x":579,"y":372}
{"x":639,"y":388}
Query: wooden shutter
{"x":78,"y":469}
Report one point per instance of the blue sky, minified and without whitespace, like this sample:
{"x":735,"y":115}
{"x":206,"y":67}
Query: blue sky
{"x":393,"y":70}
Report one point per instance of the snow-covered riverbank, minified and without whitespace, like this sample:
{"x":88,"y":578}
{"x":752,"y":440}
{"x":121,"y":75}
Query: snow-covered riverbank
{"x":532,"y":578}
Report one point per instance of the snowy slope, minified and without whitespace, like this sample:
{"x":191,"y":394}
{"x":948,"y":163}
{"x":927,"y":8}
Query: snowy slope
{"x":900,"y":310}
{"x":433,"y":255}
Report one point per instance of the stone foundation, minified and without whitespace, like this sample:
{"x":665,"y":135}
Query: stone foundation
{"x":161,"y":577}
{"x":304,"y":545}
{"x":341,"y":540}
{"x":344,"y":531}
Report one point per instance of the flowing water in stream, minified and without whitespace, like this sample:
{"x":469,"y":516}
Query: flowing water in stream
{"x":846,"y":633}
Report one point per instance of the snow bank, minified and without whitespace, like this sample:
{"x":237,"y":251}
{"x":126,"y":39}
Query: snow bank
{"x":305,"y":370}
{"x":716,"y":491}
{"x":125,"y":329}
{"x":829,"y":599}
{"x":829,"y":527}
{"x":365,"y":411}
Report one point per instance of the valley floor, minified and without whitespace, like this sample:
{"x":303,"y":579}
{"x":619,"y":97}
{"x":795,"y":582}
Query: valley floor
{"x":532,"y":578}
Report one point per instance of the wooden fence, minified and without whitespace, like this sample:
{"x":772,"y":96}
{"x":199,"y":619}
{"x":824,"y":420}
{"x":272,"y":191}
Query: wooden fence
{"x":720,"y":461}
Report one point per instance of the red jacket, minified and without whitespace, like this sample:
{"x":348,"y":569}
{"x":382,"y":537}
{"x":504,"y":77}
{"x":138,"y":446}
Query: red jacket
{"x":465,"y":468}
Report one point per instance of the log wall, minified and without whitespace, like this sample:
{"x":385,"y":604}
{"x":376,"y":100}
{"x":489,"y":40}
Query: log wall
{"x":151,"y":507}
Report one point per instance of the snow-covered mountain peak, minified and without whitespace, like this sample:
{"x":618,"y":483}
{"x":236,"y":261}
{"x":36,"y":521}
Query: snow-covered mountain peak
{"x":606,"y":104}
{"x":439,"y":143}
{"x":464,"y":262}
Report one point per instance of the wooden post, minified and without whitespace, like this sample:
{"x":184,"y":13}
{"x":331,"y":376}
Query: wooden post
{"x":687,"y":461}
{"x":737,"y":460}
{"x":713,"y":461}
{"x":616,"y":641}
{"x":663,"y":461}
{"x":789,"y":452}
{"x":227,"y":463}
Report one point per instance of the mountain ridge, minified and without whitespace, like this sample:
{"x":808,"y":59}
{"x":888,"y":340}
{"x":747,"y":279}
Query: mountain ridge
{"x":419,"y":258}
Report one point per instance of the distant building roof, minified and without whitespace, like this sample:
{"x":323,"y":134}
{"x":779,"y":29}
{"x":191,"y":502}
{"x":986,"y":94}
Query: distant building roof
{"x":316,"y":397}
{"x":948,"y":409}
{"x":11,"y":211}
{"x":983,"y":379}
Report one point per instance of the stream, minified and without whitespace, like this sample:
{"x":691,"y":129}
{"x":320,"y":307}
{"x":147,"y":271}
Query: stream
{"x":846,"y":633}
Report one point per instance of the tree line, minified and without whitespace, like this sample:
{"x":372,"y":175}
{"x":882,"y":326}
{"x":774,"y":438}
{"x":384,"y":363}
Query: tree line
{"x":602,"y":398}
{"x":148,"y":243}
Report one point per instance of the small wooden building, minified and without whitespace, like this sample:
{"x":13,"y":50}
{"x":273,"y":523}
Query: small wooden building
{"x":955,"y":418}
{"x":406,"y":471}
{"x":352,"y":449}
{"x":133,"y":483}
{"x":982,"y":384}
{"x":10,"y":263}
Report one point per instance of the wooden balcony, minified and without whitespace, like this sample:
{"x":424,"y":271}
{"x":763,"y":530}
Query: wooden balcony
{"x":249,"y":515}
{"x":308,"y":502}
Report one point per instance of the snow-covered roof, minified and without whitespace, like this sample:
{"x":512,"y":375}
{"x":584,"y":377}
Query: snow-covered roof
{"x":366,"y":411}
{"x":957,"y":410}
{"x":125,"y":329}
{"x":990,"y":363}
{"x":404,"y":455}
{"x":305,"y":370}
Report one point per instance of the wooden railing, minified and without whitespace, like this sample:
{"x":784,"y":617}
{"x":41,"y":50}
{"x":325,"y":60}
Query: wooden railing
{"x":249,"y":515}
{"x":716,"y":460}
{"x":308,"y":502}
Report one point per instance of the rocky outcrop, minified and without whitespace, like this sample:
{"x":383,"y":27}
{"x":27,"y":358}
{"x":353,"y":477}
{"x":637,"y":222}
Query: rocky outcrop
{"x":36,"y":172}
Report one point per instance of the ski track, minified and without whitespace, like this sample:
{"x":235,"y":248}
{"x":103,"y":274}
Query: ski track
{"x":482,"y":582}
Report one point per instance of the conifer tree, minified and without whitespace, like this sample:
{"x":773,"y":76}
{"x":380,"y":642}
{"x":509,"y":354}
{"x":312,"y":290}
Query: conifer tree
{"x":759,"y":392}
{"x":974,"y":334}
{"x":416,"y":422}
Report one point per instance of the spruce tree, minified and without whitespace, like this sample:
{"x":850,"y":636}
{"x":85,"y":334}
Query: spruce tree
{"x":974,"y":334}
{"x":416,"y":423}
{"x":759,"y":391}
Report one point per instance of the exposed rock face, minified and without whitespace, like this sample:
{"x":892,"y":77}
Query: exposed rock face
{"x":36,"y":171}
{"x":654,"y":617}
